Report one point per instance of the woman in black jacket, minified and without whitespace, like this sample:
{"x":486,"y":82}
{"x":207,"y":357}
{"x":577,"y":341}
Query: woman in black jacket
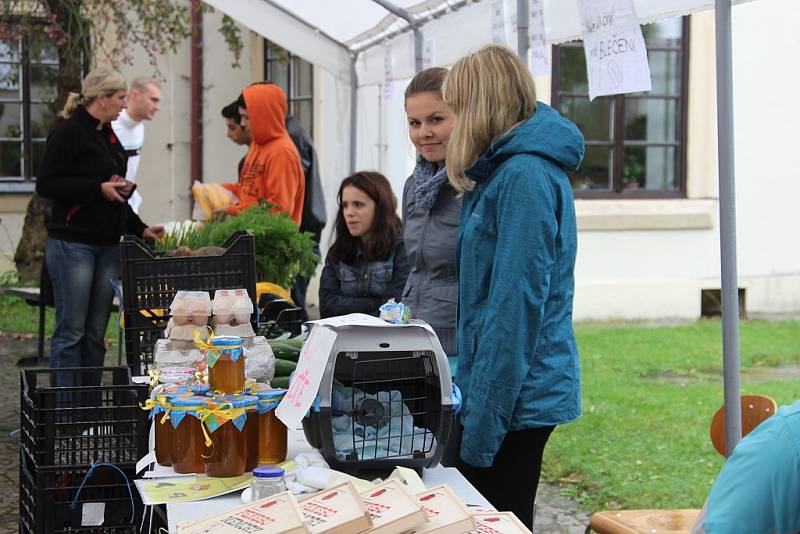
{"x":81,"y":174}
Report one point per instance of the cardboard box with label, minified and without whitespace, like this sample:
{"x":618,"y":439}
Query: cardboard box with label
{"x":278,"y":514}
{"x":499,"y":523}
{"x":392,"y":507}
{"x":337,"y":510}
{"x":446,"y":513}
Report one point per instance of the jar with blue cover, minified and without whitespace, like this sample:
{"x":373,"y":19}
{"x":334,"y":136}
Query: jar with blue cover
{"x":272,"y":433}
{"x":188,"y":438}
{"x":224,"y":418}
{"x":267,"y":481}
{"x":225,"y":359}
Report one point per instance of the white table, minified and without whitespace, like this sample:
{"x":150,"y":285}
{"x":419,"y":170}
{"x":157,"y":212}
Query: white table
{"x":192,"y":511}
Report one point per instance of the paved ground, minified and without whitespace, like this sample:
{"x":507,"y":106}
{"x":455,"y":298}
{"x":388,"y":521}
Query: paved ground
{"x":555,"y":514}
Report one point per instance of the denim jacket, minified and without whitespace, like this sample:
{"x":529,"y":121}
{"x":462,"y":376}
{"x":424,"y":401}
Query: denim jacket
{"x":361,"y":287}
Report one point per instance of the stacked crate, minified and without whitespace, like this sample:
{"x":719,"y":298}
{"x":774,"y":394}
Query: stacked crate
{"x":65,"y":431}
{"x":151,"y":279}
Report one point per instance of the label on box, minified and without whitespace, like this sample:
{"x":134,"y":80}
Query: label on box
{"x":277,"y":514}
{"x":336,"y":509}
{"x":392,"y":507}
{"x":445,"y":512}
{"x":499,"y":523}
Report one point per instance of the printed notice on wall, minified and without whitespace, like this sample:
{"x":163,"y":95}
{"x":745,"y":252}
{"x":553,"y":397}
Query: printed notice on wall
{"x":539,"y":64}
{"x":616,"y":58}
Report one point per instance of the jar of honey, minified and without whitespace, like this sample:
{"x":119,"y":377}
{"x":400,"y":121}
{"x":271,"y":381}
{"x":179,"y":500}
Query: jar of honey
{"x":225,"y":359}
{"x":272,"y":435}
{"x":251,"y":439}
{"x":225,"y":421}
{"x":188,"y":441}
{"x":163,"y":430}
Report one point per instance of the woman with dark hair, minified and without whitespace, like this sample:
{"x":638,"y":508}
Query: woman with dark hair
{"x":366,"y":264}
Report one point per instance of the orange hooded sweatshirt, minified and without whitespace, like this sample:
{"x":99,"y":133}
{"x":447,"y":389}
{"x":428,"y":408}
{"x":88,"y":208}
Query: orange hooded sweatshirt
{"x":272,"y":170}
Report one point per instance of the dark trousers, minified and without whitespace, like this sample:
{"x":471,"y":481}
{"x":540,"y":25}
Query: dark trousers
{"x":301,"y":288}
{"x":510,"y":483}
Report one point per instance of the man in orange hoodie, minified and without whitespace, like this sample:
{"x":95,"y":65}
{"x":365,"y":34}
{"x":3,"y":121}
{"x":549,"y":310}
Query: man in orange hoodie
{"x":272,"y":170}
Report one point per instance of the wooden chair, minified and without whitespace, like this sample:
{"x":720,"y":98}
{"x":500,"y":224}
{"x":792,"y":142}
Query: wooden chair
{"x":755,"y":409}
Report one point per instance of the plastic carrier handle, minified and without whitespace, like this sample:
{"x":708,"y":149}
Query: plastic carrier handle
{"x":455,"y":398}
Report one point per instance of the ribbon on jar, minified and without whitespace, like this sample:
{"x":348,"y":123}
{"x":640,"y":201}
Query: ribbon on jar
{"x":213,"y":418}
{"x":156,"y":406}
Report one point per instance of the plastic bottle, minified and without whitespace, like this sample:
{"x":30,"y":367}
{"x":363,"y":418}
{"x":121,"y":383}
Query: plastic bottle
{"x":267,"y":481}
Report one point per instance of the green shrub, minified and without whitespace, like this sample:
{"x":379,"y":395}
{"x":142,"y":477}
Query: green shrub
{"x":282,"y":250}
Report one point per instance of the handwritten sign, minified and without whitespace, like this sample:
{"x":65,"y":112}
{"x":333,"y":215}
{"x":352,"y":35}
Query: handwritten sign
{"x":616,"y":58}
{"x":539,"y":65}
{"x":307,"y":376}
{"x":388,"y":73}
{"x":498,"y":22}
{"x":428,"y":53}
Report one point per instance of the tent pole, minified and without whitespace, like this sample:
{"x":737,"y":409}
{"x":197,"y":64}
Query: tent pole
{"x":523,"y":24}
{"x":353,"y":111}
{"x":408,"y":17}
{"x":727,"y":222}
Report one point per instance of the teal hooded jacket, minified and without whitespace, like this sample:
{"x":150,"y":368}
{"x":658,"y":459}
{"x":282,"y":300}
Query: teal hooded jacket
{"x":518,"y":360}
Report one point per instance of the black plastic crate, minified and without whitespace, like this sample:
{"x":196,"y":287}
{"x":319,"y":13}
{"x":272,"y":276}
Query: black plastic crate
{"x":150,"y":281}
{"x":71,"y":427}
{"x":46,"y":497}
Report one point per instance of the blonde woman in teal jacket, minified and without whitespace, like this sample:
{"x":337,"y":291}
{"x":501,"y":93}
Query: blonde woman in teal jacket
{"x":518,"y":361}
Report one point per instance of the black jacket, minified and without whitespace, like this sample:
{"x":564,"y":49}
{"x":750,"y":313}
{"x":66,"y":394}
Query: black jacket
{"x":77,"y":159}
{"x":313,"y":218}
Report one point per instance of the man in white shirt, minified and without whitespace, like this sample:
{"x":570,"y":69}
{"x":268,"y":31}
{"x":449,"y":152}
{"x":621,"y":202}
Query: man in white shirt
{"x":144,"y":100}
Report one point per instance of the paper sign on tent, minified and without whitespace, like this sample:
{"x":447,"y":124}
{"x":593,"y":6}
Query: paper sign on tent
{"x":616,"y":58}
{"x":539,"y":65}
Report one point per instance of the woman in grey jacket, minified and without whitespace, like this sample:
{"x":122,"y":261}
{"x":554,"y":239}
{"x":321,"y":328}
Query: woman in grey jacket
{"x":431,"y":211}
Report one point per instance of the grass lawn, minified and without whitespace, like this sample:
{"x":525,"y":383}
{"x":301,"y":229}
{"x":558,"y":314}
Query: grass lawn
{"x":17,"y":317}
{"x":648,"y":397}
{"x":649,"y":394}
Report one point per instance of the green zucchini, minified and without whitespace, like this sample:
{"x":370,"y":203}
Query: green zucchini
{"x":280,"y":382}
{"x":284,"y":367}
{"x":286,"y":349}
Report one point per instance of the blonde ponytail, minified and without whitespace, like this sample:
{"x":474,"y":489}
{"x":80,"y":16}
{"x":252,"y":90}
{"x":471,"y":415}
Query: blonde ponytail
{"x":100,"y":81}
{"x":73,"y":100}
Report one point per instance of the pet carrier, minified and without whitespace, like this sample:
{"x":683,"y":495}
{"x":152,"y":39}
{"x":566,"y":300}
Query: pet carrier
{"x":386,"y":399}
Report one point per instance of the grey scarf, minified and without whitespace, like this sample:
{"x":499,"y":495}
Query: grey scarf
{"x":428,"y":179}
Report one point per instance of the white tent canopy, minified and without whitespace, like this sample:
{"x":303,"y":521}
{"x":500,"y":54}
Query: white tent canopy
{"x":329,"y":33}
{"x":369,"y":44}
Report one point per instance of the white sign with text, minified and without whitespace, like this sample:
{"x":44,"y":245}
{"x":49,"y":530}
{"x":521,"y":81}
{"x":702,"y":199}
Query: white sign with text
{"x":616,"y":58}
{"x":539,"y":65}
{"x":307,"y":376}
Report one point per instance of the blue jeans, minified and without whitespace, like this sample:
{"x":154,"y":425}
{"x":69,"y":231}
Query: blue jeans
{"x":83,"y":294}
